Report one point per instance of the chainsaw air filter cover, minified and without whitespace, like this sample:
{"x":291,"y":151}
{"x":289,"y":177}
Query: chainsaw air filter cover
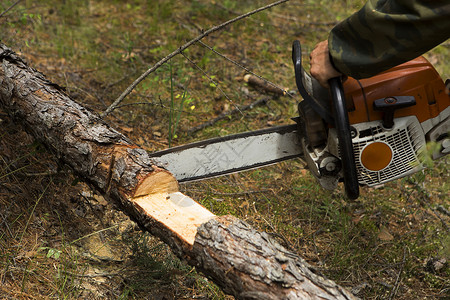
{"x":392,"y":116}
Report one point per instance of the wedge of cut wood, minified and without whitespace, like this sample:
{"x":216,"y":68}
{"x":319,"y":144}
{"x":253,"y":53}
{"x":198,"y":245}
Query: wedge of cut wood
{"x":242,"y":261}
{"x":158,"y":197}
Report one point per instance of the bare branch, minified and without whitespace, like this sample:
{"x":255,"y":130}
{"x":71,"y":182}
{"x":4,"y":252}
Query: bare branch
{"x":9,"y":8}
{"x":229,"y":113}
{"x":179,"y":50}
{"x":216,"y":84}
{"x":397,"y":281}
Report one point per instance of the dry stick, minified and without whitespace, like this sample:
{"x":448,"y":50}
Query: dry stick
{"x":442,"y":209}
{"x":397,"y":281}
{"x":227,"y":114}
{"x":9,"y":8}
{"x":178,"y":51}
{"x":262,"y":85}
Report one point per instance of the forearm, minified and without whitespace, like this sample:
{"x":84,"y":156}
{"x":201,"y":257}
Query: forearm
{"x":384,"y":34}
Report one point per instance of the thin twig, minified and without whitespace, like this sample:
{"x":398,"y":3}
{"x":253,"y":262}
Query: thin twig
{"x":246,"y":69}
{"x":141,"y":103}
{"x":93,"y":233}
{"x":397,"y":281}
{"x":93,"y":275}
{"x":95,"y":214}
{"x":118,"y":81}
{"x":9,"y":8}
{"x":227,"y":114}
{"x":48,"y":173}
{"x":443,"y":210}
{"x":5,"y":219}
{"x":269,"y":83}
{"x":179,"y":50}
{"x":154,"y":104}
{"x":216,"y":84}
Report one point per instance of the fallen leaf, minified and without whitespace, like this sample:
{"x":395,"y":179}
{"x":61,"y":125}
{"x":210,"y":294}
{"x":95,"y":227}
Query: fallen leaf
{"x":385,"y":235}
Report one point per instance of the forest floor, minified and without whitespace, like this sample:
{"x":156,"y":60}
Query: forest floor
{"x":59,"y":239}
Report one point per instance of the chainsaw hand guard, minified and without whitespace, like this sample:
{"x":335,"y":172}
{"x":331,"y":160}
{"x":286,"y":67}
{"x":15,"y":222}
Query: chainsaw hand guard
{"x":344,"y":137}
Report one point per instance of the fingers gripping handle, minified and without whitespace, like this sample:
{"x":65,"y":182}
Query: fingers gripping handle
{"x":344,"y":137}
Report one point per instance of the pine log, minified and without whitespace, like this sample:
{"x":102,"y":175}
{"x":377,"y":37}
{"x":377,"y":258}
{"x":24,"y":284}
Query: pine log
{"x":244,"y":262}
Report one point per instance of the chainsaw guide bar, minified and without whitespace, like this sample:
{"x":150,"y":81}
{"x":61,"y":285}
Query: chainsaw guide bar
{"x":230,"y":154}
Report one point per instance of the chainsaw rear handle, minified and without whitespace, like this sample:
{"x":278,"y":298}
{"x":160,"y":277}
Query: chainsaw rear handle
{"x":344,"y":137}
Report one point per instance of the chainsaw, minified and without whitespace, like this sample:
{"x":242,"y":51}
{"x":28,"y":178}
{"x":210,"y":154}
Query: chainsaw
{"x":360,"y":132}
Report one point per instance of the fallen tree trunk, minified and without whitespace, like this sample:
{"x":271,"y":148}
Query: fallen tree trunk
{"x":242,"y":261}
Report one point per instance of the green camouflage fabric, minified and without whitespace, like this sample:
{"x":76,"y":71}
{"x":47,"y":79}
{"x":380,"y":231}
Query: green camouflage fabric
{"x":386,"y":33}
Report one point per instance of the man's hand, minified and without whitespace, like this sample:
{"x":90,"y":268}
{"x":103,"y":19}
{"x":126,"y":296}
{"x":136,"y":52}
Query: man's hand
{"x":321,"y":67}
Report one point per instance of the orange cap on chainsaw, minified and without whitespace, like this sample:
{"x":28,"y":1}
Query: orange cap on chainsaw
{"x":376,"y":156}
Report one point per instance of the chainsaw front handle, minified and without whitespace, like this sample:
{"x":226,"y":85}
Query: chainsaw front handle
{"x":342,"y":126}
{"x":310,"y":89}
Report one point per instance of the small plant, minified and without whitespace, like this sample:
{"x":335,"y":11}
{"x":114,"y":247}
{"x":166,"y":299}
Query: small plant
{"x":175,"y":113}
{"x":51,"y":252}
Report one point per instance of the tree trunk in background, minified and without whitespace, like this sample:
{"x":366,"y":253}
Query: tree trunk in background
{"x":242,"y":261}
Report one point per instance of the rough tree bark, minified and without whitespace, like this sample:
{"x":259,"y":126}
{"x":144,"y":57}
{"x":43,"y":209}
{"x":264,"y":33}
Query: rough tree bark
{"x":242,"y":261}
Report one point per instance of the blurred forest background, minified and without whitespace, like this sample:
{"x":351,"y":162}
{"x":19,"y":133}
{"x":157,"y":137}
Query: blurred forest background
{"x":59,"y":239}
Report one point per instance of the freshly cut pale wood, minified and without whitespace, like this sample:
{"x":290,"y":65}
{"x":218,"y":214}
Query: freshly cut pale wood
{"x":159,"y":198}
{"x":159,"y":182}
{"x":244,"y":262}
{"x":178,"y":212}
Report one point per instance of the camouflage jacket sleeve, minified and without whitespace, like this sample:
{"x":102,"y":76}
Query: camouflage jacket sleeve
{"x":386,"y":33}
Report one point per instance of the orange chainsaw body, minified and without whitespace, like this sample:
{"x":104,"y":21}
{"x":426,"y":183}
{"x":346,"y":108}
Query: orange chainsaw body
{"x":416,"y":78}
{"x":384,"y":153}
{"x":391,"y":118}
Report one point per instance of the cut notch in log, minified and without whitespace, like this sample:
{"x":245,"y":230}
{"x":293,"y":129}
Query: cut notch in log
{"x":159,"y":197}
